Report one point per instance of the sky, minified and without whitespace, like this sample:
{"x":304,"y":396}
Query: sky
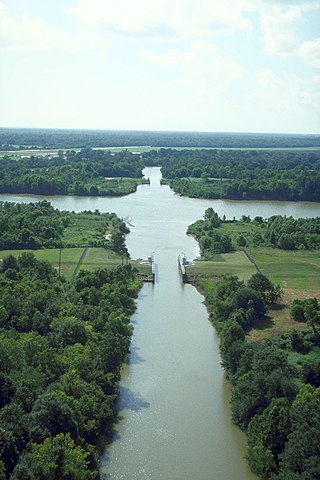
{"x":184,"y":65}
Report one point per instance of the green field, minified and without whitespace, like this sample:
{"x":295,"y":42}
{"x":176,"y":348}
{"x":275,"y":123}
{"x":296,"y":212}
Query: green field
{"x":299,"y":270}
{"x":102,"y":258}
{"x":235,"y":263}
{"x":70,"y":257}
{"x":84,"y":229}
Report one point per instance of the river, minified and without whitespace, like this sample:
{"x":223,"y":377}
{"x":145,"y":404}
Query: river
{"x":174,"y":414}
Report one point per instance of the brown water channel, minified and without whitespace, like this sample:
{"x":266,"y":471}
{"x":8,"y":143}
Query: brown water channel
{"x":174,"y":414}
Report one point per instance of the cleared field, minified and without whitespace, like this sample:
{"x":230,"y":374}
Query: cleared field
{"x":235,"y":263}
{"x":69,"y":258}
{"x":84,"y":229}
{"x":298,"y":270}
{"x":102,"y":258}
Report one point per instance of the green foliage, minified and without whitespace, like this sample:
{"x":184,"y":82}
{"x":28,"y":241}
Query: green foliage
{"x":242,"y":175}
{"x":86,"y":172}
{"x":265,"y":288}
{"x":282,"y":423}
{"x":278,"y":231}
{"x":267,"y":436}
{"x":61,"y":350}
{"x":302,"y":452}
{"x":308,"y":311}
{"x":50,"y":228}
{"x":56,"y":458}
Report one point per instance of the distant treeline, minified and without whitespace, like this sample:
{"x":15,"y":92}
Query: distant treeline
{"x":59,"y":138}
{"x":73,"y":173}
{"x":241,"y":175}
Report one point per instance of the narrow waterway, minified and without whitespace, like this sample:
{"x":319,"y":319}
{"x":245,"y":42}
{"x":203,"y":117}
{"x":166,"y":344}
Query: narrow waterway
{"x":174,"y":414}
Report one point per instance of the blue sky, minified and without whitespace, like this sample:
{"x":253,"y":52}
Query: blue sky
{"x":205,"y":65}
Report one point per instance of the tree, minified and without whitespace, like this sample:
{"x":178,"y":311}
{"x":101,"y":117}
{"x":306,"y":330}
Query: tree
{"x":55,"y":458}
{"x":302,"y":452}
{"x":52,"y":414}
{"x":267,"y":436}
{"x":247,"y":297}
{"x":231,"y":332}
{"x":265,"y":288}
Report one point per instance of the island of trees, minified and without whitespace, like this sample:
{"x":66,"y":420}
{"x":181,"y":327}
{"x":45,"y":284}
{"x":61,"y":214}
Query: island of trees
{"x":87,"y":172}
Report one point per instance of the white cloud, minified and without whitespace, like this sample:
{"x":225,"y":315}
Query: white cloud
{"x":310,"y":52}
{"x":184,"y":17}
{"x":285,"y":92}
{"x":280,"y":30}
{"x":201,"y":63}
{"x":33,"y":33}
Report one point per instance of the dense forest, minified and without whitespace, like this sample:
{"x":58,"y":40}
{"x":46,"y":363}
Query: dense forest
{"x":240,"y":174}
{"x":61,"y":348}
{"x":13,"y":138}
{"x":39,"y":225}
{"x":276,"y":382}
{"x":86,"y":172}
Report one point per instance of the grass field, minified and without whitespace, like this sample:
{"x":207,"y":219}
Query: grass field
{"x":94,"y":258}
{"x":84,"y":229}
{"x":69,"y":258}
{"x":298,"y":270}
{"x":100,"y":257}
{"x":235,"y":263}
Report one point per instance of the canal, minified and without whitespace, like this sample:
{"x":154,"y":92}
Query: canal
{"x":174,"y":414}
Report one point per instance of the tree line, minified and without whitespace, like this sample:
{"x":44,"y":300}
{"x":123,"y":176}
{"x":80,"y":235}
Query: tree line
{"x":274,"y":400}
{"x":61,"y":348}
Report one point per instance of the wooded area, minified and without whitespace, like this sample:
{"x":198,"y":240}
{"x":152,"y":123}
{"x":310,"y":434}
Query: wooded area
{"x":240,"y":174}
{"x":88,"y":172}
{"x":276,"y":394}
{"x":61,"y":348}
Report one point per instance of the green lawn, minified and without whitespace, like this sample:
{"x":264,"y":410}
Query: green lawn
{"x":100,"y":257}
{"x":298,"y":270}
{"x":69,"y":258}
{"x":227,"y":263}
{"x":94,"y":258}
